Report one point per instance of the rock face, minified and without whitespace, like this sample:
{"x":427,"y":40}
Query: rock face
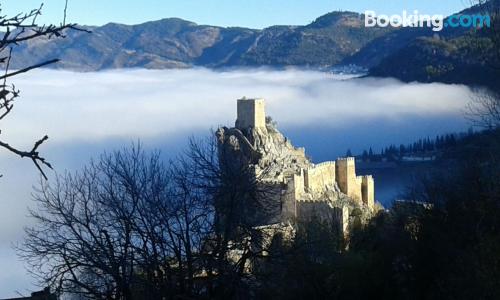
{"x":329,"y":191}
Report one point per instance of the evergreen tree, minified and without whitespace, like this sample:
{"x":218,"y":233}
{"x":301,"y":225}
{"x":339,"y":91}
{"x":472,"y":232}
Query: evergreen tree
{"x":365,"y":155}
{"x":402,"y":150}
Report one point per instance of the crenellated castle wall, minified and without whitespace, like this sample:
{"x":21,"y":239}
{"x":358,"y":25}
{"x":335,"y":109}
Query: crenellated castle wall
{"x":347,"y":180}
{"x":301,"y":189}
{"x":325,"y":176}
{"x":320,"y":177}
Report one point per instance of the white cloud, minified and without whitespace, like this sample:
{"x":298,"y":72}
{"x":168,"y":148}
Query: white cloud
{"x":138,"y":103}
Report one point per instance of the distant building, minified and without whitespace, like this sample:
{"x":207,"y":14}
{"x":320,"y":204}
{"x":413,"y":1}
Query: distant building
{"x":330,"y":191}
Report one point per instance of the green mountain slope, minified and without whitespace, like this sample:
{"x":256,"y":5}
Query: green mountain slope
{"x":466,"y":59}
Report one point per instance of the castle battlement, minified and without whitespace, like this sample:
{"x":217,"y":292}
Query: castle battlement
{"x":346,"y":159}
{"x":325,"y":163}
{"x":308,"y":201}
{"x":319,"y":177}
{"x":300,"y":189}
{"x":342,"y":172}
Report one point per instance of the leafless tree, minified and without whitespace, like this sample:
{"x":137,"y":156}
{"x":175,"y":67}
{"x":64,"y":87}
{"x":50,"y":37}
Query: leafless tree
{"x":15,"y":30}
{"x":84,"y":240}
{"x":127,"y":226}
{"x":239,"y":200}
{"x":484,"y":109}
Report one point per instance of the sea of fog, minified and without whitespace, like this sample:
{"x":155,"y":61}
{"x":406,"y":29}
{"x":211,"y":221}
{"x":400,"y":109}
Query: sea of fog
{"x":87,"y":113}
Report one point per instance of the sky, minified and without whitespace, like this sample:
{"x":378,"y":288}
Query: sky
{"x":322,"y":112}
{"x":244,"y":13}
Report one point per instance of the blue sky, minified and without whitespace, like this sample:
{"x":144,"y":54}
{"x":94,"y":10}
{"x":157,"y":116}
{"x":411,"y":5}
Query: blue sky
{"x":246,"y":13}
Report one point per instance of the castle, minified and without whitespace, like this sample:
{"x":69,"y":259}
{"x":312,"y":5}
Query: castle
{"x":330,"y":191}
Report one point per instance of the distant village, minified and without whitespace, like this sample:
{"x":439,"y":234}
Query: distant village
{"x":422,"y":150}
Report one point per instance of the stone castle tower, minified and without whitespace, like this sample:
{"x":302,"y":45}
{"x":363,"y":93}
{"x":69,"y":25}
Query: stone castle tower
{"x":347,"y":180}
{"x":251,"y":113}
{"x":328,"y":190}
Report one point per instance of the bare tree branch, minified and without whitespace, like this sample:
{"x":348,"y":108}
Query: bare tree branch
{"x":24,"y":70}
{"x":484,"y":109}
{"x":16,"y":30}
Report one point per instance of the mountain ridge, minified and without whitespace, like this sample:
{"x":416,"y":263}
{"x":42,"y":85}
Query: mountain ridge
{"x":333,"y":39}
{"x":174,"y":42}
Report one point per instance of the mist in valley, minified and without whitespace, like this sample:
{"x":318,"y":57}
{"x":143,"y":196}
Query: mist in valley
{"x":85,"y":114}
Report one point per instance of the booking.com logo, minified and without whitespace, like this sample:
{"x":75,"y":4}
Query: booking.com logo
{"x":437,"y":22}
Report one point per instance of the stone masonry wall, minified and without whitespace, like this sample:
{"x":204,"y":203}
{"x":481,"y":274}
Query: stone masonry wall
{"x":368,"y":190}
{"x":251,"y":113}
{"x":346,"y":178}
{"x":320,"y":177}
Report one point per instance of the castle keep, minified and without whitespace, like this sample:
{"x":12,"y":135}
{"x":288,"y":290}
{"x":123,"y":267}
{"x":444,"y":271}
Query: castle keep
{"x":251,"y":113}
{"x":329,"y":191}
